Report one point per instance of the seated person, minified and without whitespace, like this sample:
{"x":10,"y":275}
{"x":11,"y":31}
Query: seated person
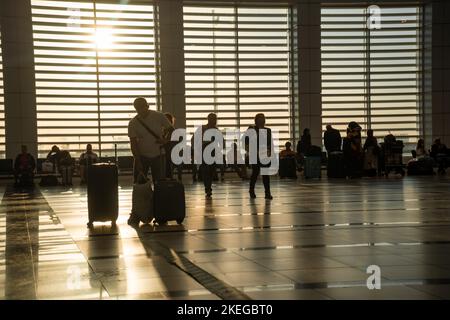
{"x":421,"y":163}
{"x":420,"y":149}
{"x":53,"y":156}
{"x":86,"y":159}
{"x":65,"y":166}
{"x":24,"y":167}
{"x":353,"y":151}
{"x":232,"y":161}
{"x":288,"y":162}
{"x":440,"y":154}
{"x":288,"y":152}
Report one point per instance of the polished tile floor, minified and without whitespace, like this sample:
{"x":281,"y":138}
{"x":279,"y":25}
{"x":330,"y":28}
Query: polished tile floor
{"x":314,"y":240}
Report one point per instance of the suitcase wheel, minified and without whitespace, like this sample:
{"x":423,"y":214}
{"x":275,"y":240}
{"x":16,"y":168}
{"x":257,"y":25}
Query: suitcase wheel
{"x":90,"y":224}
{"x":180,"y":221}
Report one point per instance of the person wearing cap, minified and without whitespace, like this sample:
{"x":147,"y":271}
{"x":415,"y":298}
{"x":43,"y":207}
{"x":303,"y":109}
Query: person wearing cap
{"x":353,"y":151}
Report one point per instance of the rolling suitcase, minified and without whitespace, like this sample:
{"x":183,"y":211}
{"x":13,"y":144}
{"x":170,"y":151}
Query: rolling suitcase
{"x":313,"y":167}
{"x":168,"y":201}
{"x":336,"y":165}
{"x":103,"y":195}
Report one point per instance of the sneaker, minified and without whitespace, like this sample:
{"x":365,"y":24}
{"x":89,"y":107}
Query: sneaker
{"x":268,"y":196}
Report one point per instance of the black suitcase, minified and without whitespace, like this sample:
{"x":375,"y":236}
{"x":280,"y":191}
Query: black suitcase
{"x":103,"y":194}
{"x":288,"y":168}
{"x":49,"y":180}
{"x":169,"y":201}
{"x":336,"y":165}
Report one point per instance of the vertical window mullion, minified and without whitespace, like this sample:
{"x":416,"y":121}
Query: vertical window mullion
{"x":97,"y":71}
{"x":2,"y":107}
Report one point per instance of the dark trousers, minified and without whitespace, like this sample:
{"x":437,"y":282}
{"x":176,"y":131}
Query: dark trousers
{"x":23,"y":177}
{"x":256,"y":169}
{"x":154,"y":164}
{"x":208,"y":171}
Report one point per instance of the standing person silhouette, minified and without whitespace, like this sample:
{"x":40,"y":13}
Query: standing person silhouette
{"x":207,"y":170}
{"x":260,"y":121}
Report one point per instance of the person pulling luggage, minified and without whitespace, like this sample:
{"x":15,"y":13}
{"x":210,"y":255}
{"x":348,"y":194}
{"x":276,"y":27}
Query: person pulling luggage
{"x":146,"y":131}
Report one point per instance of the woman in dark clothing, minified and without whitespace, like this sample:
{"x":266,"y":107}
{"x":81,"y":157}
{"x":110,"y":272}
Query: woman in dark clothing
{"x":353,"y":152}
{"x":304,"y":144}
{"x":371,"y":152}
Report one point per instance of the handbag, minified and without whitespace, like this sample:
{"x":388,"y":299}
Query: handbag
{"x":142,"y":199}
{"x":47,"y":167}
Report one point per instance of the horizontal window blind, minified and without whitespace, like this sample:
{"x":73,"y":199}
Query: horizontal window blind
{"x":372,"y":76}
{"x":237,"y":64}
{"x":2,"y":106}
{"x":91,"y":61}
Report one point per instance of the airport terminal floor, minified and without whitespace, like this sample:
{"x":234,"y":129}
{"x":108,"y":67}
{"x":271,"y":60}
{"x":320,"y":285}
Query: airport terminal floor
{"x":314,"y":240}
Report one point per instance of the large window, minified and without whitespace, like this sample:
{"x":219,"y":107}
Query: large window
{"x":237,"y":64}
{"x":372,"y":75}
{"x":2,"y":106}
{"x":91,"y":59}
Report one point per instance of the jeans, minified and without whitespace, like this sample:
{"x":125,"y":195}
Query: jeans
{"x":256,"y":169}
{"x":208,"y":171}
{"x":153,"y":163}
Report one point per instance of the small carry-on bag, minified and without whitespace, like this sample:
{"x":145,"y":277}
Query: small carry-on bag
{"x":47,"y":167}
{"x":336,"y":165}
{"x":313,"y":167}
{"x":142,"y":200}
{"x":103,"y":194}
{"x":169,"y":201}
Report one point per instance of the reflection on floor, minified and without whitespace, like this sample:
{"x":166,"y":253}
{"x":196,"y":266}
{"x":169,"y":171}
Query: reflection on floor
{"x":314,"y":240}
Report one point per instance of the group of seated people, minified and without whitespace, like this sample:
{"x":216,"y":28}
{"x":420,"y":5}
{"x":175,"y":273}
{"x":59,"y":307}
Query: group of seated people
{"x":423,"y":160}
{"x":359,"y":159}
{"x":365,"y":159}
{"x":57,"y":162}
